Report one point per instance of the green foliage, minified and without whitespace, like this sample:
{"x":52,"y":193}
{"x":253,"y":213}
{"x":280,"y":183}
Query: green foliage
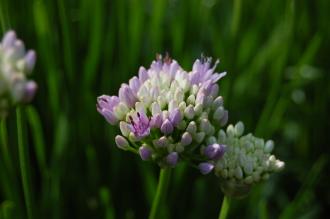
{"x":276,"y":56}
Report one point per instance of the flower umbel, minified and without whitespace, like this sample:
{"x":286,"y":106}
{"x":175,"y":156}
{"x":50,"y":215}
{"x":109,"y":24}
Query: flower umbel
{"x":166,"y":113}
{"x":15,"y":65}
{"x":247,"y":161}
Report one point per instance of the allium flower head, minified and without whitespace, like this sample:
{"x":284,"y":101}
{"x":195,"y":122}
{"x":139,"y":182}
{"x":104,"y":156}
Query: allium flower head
{"x":166,"y":113}
{"x":15,"y":65}
{"x":248,"y":160}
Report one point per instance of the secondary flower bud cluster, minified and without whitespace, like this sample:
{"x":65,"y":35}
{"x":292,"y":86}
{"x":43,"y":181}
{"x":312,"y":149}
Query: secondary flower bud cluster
{"x":166,"y":114}
{"x":15,"y":65}
{"x":247,"y":160}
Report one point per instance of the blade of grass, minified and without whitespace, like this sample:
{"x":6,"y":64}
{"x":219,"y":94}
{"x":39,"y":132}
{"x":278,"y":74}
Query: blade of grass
{"x":95,"y":42}
{"x":24,"y":163}
{"x":67,"y":42}
{"x":37,"y":132}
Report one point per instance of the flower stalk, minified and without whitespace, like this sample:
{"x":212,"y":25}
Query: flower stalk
{"x":163,"y":181}
{"x":224,"y":207}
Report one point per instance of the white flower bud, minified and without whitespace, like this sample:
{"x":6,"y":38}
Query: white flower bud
{"x":194,"y":89}
{"x":221,"y":136}
{"x":269,"y":146}
{"x":239,"y":128}
{"x":189,"y":112}
{"x":238,"y":172}
{"x":198,"y":109}
{"x":199,"y":137}
{"x":230,"y":131}
{"x":161,"y":101}
{"x":211,"y":140}
{"x":182,"y":106}
{"x":219,"y":112}
{"x":191,"y":99}
{"x":192,"y":127}
{"x":217,"y":102}
{"x":140,"y":107}
{"x":124,"y":128}
{"x":155,"y":109}
{"x":178,"y":95}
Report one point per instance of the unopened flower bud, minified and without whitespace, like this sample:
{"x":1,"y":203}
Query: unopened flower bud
{"x":186,"y":139}
{"x":205,"y":168}
{"x":121,"y":142}
{"x":145,"y":152}
{"x":172,"y":159}
{"x":167,"y":127}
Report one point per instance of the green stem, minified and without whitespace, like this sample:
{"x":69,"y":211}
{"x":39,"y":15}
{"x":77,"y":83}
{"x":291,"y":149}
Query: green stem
{"x":164,"y":178}
{"x":24,"y":163}
{"x":224,"y":208}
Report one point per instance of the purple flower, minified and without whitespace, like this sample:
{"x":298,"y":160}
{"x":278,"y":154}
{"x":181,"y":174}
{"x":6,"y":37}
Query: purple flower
{"x":134,"y":84}
{"x":30,"y":60}
{"x":156,"y":121}
{"x":143,"y":75}
{"x":202,"y":72}
{"x":29,"y":91}
{"x":214,"y":151}
{"x":105,"y":105}
{"x":172,"y":159}
{"x":127,"y":96}
{"x":175,"y":117}
{"x":9,"y":39}
{"x":140,"y":125}
{"x":145,"y":152}
{"x":205,"y":168}
{"x":167,"y":127}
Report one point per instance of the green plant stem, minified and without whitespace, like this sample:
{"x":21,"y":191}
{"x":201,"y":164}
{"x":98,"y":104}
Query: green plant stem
{"x":224,"y":208}
{"x":164,"y":178}
{"x":24,"y":164}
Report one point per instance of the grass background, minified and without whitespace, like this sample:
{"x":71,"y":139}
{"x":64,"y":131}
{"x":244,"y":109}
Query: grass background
{"x":276,"y":54}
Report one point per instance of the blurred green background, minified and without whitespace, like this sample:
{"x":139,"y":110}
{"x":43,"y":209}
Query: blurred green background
{"x":276,"y":54}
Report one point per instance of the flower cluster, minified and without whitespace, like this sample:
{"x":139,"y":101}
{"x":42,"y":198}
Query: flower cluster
{"x":167,"y":113}
{"x":247,"y":160}
{"x":15,"y":65}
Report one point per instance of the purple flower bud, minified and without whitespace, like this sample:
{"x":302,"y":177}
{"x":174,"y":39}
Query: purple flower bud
{"x":175,"y":117}
{"x":105,"y":105}
{"x":205,"y":168}
{"x":29,"y":91}
{"x":214,"y":151}
{"x":127,"y":96}
{"x":145,"y":152}
{"x":172,"y":159}
{"x":167,"y":127}
{"x":200,"y":98}
{"x":9,"y":39}
{"x":214,"y":90}
{"x":134,"y":84}
{"x":109,"y":116}
{"x":216,"y":76}
{"x":107,"y":102}
{"x":161,"y":142}
{"x":186,"y":139}
{"x":121,"y":142}
{"x":30,"y":60}
{"x":143,"y":74}
{"x":156,"y":121}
